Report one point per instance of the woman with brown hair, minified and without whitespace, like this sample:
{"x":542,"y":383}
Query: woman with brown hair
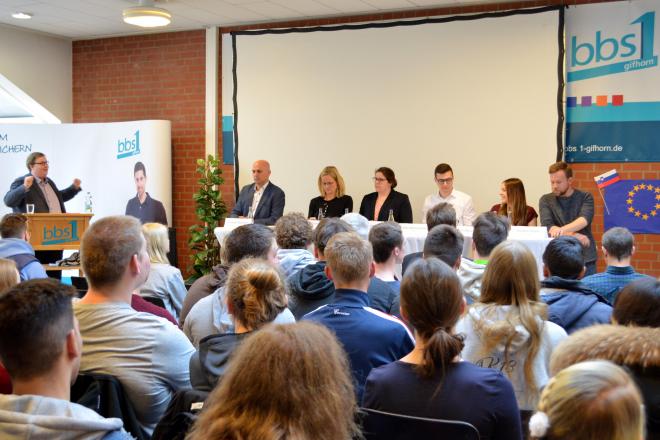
{"x":256,"y":294}
{"x":285,"y":382}
{"x":432,"y":381}
{"x":386,"y":204}
{"x":507,"y":329}
{"x":514,"y":204}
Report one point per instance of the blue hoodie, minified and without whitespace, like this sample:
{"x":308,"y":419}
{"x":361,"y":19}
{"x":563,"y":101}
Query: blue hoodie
{"x":10,"y":247}
{"x":572,"y":305}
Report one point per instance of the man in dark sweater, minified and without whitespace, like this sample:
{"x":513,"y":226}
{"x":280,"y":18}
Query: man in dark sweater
{"x":569,"y":211}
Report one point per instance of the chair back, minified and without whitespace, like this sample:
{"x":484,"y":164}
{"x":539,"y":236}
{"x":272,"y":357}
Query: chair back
{"x":381,"y":425}
{"x":155,"y":301}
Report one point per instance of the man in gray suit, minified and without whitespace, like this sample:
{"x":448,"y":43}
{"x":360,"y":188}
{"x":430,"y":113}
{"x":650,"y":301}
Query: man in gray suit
{"x":262,"y":200}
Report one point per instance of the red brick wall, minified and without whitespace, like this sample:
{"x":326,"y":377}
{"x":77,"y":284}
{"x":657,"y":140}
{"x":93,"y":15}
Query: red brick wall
{"x":647,"y":257}
{"x":158,"y":76}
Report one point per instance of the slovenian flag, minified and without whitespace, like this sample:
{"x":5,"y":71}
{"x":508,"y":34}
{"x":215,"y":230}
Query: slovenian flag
{"x":607,"y":179}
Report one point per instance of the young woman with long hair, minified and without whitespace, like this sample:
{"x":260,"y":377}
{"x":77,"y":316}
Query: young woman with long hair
{"x":432,"y":381}
{"x":514,"y":204}
{"x":507,"y":329}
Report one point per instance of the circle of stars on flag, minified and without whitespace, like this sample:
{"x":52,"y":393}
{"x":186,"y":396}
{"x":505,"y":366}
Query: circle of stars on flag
{"x":631,"y":199}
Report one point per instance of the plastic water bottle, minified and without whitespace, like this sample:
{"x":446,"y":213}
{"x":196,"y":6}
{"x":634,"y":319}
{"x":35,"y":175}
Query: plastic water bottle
{"x":88,"y":202}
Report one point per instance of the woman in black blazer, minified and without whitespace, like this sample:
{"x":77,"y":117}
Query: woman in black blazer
{"x":377,"y":205}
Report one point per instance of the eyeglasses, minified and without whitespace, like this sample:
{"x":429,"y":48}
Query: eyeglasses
{"x":41,"y":163}
{"x":379,"y":179}
{"x":444,"y":181}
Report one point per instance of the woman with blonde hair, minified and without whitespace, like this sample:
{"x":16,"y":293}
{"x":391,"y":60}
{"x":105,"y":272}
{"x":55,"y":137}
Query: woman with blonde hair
{"x":9,"y":275}
{"x":333,"y":201}
{"x":594,"y":400}
{"x":165,"y":281}
{"x":432,"y":381}
{"x":256,"y":294}
{"x":288,"y":381}
{"x":507,"y":329}
{"x":514,"y":204}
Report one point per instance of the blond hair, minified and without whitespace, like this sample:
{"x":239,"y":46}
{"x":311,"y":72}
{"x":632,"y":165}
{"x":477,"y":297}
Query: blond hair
{"x":594,"y":400}
{"x":9,"y":275}
{"x":349,"y":257}
{"x":256,"y":292}
{"x":158,"y":242}
{"x":288,"y":381}
{"x":511,"y":278}
{"x":333,"y":172}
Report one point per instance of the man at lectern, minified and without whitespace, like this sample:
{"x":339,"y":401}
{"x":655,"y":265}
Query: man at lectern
{"x":35,"y":188}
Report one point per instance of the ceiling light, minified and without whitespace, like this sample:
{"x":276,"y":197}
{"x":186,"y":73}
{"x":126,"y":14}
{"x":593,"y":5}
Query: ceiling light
{"x":147,"y":15}
{"x":22,"y":15}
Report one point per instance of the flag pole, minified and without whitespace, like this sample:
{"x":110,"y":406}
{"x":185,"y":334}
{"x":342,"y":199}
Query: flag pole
{"x":604,"y":202}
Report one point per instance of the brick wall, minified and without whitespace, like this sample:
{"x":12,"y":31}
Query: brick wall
{"x":647,"y":257}
{"x":157,"y":76}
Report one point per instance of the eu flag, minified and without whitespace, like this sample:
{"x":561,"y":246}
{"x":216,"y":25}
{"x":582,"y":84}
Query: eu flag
{"x":634,"y":204}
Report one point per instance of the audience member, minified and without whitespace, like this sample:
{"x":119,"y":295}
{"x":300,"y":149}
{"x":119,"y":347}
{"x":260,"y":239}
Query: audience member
{"x":489,"y":231}
{"x":371,"y":338}
{"x":262,"y":200}
{"x":147,"y":354}
{"x":635,"y":348}
{"x":333,"y":201}
{"x":431,"y":381}
{"x":638,"y":304}
{"x":256,"y":294}
{"x":569,"y":211}
{"x":441,"y":214}
{"x":293,"y":235}
{"x":385,"y":200}
{"x":165,"y":281}
{"x":514,"y":204}
{"x":301,"y":389}
{"x":506,"y":330}
{"x":387,"y":243}
{"x":593,"y":400}
{"x":462,"y":203}
{"x":445,"y":243}
{"x":40,"y":345}
{"x":210,"y":316}
{"x":9,"y":276}
{"x":15,"y":246}
{"x":311,"y":288}
{"x":618,"y":249}
{"x":570,"y":304}
{"x":359,"y":223}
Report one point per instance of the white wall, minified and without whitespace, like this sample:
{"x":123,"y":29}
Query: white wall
{"x":41,"y":66}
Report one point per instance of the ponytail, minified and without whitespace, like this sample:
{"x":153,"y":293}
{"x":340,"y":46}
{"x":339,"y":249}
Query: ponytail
{"x":439,"y":352}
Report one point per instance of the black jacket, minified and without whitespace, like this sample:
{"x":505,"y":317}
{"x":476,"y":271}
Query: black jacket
{"x":396,"y":201}
{"x":16,"y":198}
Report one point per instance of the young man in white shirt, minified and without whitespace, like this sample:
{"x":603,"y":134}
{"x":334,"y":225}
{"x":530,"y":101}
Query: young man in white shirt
{"x":462,"y":203}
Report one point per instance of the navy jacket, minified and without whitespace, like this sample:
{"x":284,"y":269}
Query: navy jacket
{"x":396,"y":201}
{"x":370,"y":338}
{"x":270,"y":208}
{"x":16,"y":198}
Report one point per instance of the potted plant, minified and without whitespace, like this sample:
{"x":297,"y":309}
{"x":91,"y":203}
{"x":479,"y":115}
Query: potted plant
{"x":210,"y":209}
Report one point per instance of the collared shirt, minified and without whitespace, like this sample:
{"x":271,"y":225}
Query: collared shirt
{"x":610,"y":282}
{"x":462,"y":203}
{"x":151,"y":211}
{"x":257,"y":197}
{"x":49,"y":194}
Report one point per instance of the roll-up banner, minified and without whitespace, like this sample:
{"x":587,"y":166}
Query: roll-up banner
{"x":613,"y":82}
{"x":103,"y":156}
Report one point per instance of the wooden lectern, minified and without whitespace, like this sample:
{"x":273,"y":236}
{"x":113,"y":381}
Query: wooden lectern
{"x":57,"y":232}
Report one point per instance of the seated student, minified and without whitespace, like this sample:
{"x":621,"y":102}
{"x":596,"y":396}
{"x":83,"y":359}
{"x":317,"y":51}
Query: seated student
{"x":387,"y":243}
{"x":514,"y":204}
{"x":638,"y":304}
{"x":432,"y":381}
{"x":256,"y":294}
{"x":489,"y":231}
{"x":9,"y":276}
{"x":40,"y":346}
{"x":385,"y":200}
{"x":210,"y":315}
{"x":15,"y":245}
{"x":627,"y":346}
{"x":441,"y":214}
{"x":147,"y":354}
{"x":293,"y":235}
{"x":445,"y":243}
{"x":333,"y":201}
{"x":309,"y":390}
{"x":506,"y":330}
{"x":370,"y":337}
{"x":165,"y":281}
{"x":570,"y":304}
{"x":593,"y":400}
{"x":618,"y":249}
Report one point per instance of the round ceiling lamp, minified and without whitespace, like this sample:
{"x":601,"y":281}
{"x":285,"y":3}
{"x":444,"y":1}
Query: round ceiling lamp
{"x":147,"y":15}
